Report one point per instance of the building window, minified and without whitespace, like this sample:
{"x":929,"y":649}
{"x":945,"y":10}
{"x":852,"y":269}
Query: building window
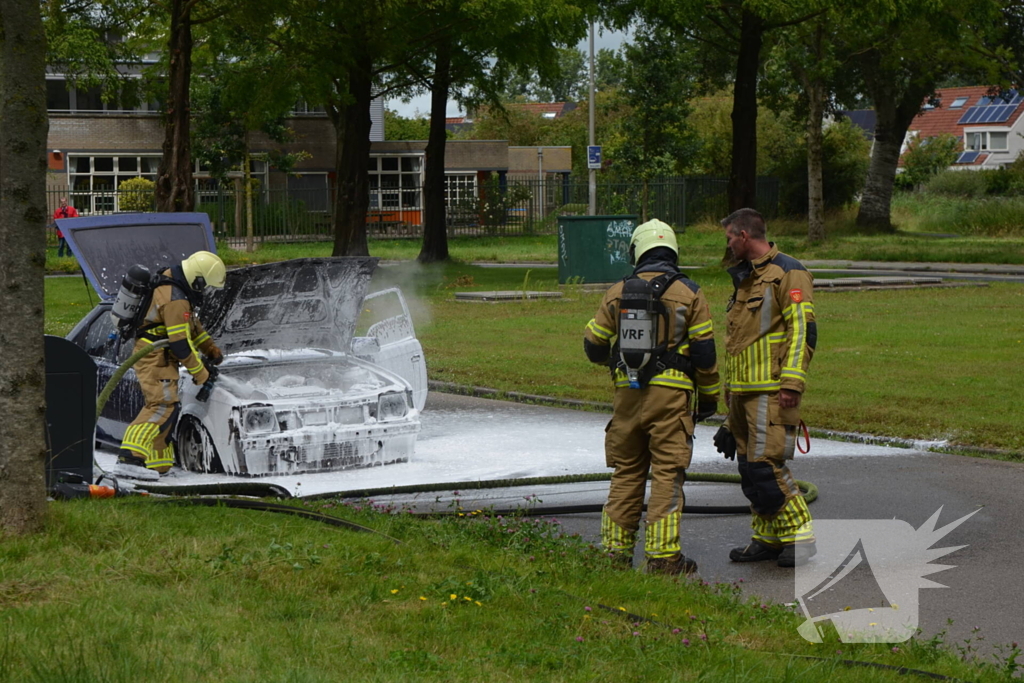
{"x":958,"y":102}
{"x":94,"y":180}
{"x":396,"y":182}
{"x":459,"y":188}
{"x":987,"y":141}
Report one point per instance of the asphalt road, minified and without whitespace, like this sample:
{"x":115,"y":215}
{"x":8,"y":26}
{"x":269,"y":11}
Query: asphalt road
{"x":983,"y":585}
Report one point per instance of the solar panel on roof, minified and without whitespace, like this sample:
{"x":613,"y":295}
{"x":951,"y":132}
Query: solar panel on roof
{"x":970,"y":116}
{"x":967,"y":157}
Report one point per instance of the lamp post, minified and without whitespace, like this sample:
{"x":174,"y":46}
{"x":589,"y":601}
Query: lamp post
{"x":592,"y":173}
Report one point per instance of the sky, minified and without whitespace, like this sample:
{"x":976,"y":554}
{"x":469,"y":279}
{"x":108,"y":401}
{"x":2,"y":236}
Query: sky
{"x":420,"y":106}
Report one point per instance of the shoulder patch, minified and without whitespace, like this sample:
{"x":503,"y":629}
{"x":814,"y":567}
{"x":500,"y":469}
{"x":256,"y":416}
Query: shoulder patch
{"x":787,"y":263}
{"x":796,"y":295}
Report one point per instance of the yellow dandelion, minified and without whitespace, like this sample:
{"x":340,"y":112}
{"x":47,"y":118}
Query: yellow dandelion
{"x":622,"y":609}
{"x":466,"y":598}
{"x":453,"y":596}
{"x":873,"y":624}
{"x":478,"y":603}
{"x":394,"y":590}
{"x":422,"y":598}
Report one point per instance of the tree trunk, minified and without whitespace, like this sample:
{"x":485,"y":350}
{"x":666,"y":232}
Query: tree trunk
{"x":435,"y":224}
{"x":174,"y":186}
{"x":815,"y":181}
{"x":23,"y":219}
{"x":896,"y":105}
{"x":352,"y":125}
{"x":743,"y":175}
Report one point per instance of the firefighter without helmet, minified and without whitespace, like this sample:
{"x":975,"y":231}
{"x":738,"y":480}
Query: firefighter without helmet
{"x":203,"y":269}
{"x":647,"y":236}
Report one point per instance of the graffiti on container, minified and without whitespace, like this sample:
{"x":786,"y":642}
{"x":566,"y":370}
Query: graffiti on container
{"x":617,"y":236}
{"x":563,"y":249}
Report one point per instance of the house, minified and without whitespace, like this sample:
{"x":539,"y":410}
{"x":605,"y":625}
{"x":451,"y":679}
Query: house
{"x":93,"y":146}
{"x":990,"y":125}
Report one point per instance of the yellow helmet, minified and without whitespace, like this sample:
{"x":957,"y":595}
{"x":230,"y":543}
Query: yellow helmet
{"x":647,"y":236}
{"x":204,"y":269}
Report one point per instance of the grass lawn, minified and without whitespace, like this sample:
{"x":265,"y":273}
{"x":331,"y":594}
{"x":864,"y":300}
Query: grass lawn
{"x":137,"y":590}
{"x":927,"y":364}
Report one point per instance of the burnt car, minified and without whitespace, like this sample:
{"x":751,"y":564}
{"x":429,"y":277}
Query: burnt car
{"x":298,"y":391}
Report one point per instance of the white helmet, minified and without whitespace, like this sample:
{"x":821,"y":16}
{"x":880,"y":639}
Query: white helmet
{"x":647,"y":236}
{"x":204,"y":269}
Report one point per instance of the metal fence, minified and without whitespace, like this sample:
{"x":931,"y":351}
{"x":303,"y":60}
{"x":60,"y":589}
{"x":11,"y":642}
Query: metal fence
{"x":499,"y":207}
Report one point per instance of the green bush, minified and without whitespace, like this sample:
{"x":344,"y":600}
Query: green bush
{"x":966,"y":183}
{"x":136,"y":194}
{"x":926,"y":157}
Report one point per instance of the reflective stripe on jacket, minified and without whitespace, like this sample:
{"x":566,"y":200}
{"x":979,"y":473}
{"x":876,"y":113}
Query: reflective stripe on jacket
{"x":771,"y":331}
{"x":690,"y":333}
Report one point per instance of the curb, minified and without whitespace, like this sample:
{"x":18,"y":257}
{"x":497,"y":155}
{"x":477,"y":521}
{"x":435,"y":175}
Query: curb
{"x":851,"y":437}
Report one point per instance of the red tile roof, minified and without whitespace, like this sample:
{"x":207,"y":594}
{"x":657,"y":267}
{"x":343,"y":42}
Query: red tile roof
{"x":943,"y":119}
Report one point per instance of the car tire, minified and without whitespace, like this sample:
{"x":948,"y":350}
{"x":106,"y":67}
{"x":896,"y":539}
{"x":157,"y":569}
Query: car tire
{"x":195,"y":451}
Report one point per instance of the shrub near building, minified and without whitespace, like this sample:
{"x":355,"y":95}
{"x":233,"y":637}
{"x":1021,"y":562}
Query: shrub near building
{"x":136,"y":194}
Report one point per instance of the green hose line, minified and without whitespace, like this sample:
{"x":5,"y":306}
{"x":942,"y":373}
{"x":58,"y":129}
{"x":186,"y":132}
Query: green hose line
{"x":810,"y":490}
{"x":108,"y":389}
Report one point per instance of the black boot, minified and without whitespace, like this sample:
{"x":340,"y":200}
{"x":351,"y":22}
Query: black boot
{"x":755,"y":551}
{"x":797,"y":554}
{"x":671,"y":566}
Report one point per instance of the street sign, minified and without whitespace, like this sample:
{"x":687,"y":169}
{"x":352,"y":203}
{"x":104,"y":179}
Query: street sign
{"x":594,"y":157}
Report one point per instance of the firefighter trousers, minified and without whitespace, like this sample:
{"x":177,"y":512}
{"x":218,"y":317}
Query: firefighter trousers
{"x":148,"y":435}
{"x":651,"y":432}
{"x":765,"y":441}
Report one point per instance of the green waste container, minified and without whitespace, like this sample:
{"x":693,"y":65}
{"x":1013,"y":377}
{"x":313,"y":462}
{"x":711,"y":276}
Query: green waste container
{"x":594,"y":248}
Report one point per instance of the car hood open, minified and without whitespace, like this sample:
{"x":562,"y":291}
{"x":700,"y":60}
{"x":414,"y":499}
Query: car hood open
{"x":107,"y":246}
{"x":303,"y":303}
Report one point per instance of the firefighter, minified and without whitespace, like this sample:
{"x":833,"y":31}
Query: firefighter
{"x":146,"y":451}
{"x":770,"y":338}
{"x":654,"y":330}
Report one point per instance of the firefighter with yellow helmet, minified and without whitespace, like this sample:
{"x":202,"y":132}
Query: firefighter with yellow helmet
{"x":146,"y":451}
{"x":654,"y":330}
{"x":769,"y":342}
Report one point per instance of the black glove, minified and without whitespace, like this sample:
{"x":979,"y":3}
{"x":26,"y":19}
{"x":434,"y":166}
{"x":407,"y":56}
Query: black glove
{"x":214,"y":356}
{"x":725,"y":443}
{"x":705,"y":409}
{"x":207,"y":388}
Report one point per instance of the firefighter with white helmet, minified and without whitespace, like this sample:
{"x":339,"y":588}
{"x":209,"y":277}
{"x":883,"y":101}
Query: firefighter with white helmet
{"x":146,"y":451}
{"x":654,"y":330}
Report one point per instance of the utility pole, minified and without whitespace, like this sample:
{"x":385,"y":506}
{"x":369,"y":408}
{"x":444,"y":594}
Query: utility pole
{"x":592,"y":173}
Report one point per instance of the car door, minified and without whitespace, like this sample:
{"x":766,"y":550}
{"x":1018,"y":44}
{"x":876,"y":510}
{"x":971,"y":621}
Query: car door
{"x":386,"y":320}
{"x":97,"y":335}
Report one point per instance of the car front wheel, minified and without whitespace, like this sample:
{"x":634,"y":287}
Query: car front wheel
{"x":196,"y":452}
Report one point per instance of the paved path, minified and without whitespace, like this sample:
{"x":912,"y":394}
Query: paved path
{"x":984,"y":588}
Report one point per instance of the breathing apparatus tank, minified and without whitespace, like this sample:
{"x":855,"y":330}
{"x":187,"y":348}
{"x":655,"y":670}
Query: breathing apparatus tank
{"x":135,"y":293}
{"x":639,"y":311}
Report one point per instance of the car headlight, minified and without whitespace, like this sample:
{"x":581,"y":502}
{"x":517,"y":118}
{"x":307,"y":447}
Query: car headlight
{"x":259,"y":420}
{"x":391,"y":407}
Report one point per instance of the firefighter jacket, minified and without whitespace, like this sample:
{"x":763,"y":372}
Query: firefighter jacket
{"x":688,"y":332}
{"x":171,"y":317}
{"x":771,"y":333}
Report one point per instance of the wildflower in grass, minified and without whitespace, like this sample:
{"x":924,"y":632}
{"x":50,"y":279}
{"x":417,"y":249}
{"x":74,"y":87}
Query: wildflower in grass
{"x":394,"y":590}
{"x":622,"y":609}
{"x":579,"y":639}
{"x":675,"y":631}
{"x":686,"y":642}
{"x":636,"y":633}
{"x":703,"y":636}
{"x":422,"y":598}
{"x":466,"y":597}
{"x":587,"y":609}
{"x":895,"y":648}
{"x":453,"y":596}
{"x":478,"y":603}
